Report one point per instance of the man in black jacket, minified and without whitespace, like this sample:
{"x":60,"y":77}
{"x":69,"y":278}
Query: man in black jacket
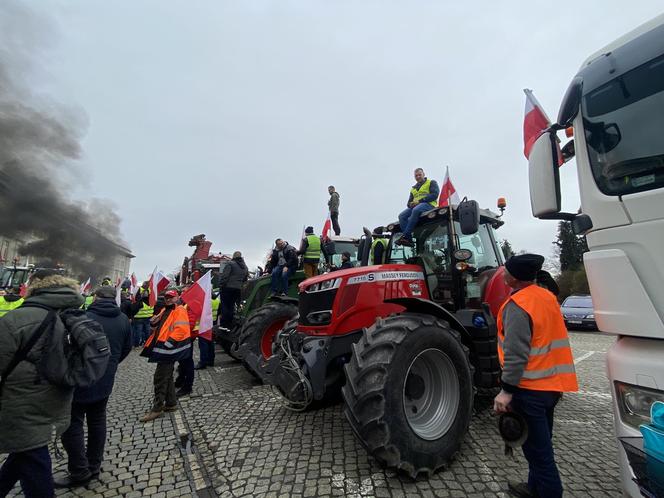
{"x":91,"y":402}
{"x":233,"y":278}
{"x":284,"y":263}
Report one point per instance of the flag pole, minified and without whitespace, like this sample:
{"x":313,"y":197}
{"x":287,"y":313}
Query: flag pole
{"x":449,"y":210}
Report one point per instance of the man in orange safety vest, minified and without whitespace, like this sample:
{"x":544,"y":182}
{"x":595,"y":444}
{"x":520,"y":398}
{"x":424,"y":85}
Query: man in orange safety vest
{"x":538,"y":366}
{"x":169,"y":342}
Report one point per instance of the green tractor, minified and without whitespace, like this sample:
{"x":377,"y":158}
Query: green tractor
{"x":259,"y":311}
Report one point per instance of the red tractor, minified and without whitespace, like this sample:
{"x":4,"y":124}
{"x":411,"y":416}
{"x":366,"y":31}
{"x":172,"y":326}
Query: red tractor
{"x":201,"y":261}
{"x":406,"y":343}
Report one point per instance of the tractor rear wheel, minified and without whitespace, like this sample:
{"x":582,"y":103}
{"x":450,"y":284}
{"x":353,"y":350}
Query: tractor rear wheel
{"x":260,"y":329}
{"x":409,"y":392}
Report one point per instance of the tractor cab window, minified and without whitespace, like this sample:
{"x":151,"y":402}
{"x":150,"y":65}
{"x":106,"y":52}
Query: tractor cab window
{"x":486,"y":256}
{"x":481,"y":245}
{"x":432,"y":252}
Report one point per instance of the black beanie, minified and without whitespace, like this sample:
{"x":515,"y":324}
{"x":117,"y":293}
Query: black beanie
{"x":524,"y":267}
{"x":309,"y":230}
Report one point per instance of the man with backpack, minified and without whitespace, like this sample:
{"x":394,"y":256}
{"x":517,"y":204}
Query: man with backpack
{"x":38,"y":376}
{"x":90,"y":402}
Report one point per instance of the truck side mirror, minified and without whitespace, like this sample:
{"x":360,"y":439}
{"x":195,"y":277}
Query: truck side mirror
{"x":543,"y":176}
{"x":469,"y":217}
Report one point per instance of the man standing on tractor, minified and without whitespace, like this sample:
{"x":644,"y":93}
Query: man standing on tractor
{"x":423,"y":197}
{"x":378,"y":247}
{"x":232,"y":279}
{"x":333,"y":205}
{"x":538,"y":366}
{"x":310,"y":251}
{"x":284,"y":264}
{"x":170,"y":342}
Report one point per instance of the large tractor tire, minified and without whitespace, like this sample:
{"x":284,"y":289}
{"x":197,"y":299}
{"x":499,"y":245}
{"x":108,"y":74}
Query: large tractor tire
{"x":409,"y":392}
{"x":260,"y":329}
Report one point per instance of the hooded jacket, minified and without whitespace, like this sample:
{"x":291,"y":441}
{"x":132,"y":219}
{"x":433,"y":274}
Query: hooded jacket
{"x":118,"y":331}
{"x":234,"y":275}
{"x":30,"y":407}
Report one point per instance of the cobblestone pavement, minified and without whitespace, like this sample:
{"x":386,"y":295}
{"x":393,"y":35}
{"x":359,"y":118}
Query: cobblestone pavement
{"x":233,"y":438}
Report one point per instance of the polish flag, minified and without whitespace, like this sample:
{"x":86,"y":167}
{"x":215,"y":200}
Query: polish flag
{"x":118,"y":291}
{"x":535,"y":121}
{"x":157,"y":283}
{"x":86,"y":287}
{"x":325,"y":233}
{"x":198,"y":298}
{"x":134,"y":284}
{"x":447,"y":192}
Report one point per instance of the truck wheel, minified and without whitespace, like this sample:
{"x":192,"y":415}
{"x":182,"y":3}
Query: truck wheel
{"x":409,"y":392}
{"x":261,"y":327}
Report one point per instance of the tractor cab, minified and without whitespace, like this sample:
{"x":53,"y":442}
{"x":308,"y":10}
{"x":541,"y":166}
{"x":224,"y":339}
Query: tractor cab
{"x":457,"y":266}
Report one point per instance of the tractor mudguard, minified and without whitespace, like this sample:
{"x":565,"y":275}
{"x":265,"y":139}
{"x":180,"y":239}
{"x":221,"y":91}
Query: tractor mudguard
{"x":426,"y":307}
{"x":284,"y":299}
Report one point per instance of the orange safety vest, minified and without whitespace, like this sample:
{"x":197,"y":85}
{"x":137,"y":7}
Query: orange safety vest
{"x":550,"y":364}
{"x":172,"y":341}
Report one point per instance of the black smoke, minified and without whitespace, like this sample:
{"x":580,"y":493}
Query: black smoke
{"x":39,"y":150}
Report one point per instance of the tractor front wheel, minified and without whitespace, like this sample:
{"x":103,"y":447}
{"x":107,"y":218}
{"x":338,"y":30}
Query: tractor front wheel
{"x":260,"y":329}
{"x":409,"y":392}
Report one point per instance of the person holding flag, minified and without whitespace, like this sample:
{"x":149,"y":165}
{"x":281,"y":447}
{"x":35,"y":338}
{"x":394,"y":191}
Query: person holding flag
{"x":423,"y":197}
{"x":198,"y":298}
{"x":169,"y":342}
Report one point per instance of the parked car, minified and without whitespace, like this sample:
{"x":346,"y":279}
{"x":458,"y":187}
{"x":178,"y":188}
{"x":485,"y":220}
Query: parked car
{"x":578,"y":312}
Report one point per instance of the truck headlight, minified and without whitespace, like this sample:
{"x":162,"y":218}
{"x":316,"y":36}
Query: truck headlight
{"x":591,"y":316}
{"x":635,"y":402}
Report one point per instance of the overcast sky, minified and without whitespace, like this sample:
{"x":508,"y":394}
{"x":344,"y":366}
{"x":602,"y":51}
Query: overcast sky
{"x":230,"y":118}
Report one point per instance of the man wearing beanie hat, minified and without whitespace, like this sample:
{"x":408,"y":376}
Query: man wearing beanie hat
{"x":310,"y":251}
{"x":538,"y":366}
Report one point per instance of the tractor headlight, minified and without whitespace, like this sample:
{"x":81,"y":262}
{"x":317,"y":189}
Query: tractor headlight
{"x":324,"y":285}
{"x":591,"y":316}
{"x":320,"y":317}
{"x":635,"y":402}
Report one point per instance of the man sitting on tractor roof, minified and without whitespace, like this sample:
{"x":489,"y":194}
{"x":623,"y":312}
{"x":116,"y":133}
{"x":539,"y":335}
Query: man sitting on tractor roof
{"x":423,"y":197}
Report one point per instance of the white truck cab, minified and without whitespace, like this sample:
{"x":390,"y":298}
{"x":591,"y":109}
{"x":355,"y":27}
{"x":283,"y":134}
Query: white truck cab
{"x":615,"y":105}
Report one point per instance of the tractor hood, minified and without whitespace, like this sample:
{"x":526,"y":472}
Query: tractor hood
{"x":366,"y":274}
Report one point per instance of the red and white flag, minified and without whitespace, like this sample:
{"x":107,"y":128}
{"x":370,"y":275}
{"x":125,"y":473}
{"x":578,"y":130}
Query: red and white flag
{"x":325,"y":232}
{"x":199,"y":301}
{"x":535,"y":121}
{"x":134,"y":284}
{"x":158,"y":282}
{"x":86,"y":287}
{"x":447,"y":192}
{"x":118,"y":291}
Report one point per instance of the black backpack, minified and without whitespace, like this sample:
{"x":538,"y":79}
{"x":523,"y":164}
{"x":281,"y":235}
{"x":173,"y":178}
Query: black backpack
{"x":72,"y":349}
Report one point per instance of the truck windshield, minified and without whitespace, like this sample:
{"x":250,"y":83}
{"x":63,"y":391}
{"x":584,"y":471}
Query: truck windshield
{"x":623,"y":123}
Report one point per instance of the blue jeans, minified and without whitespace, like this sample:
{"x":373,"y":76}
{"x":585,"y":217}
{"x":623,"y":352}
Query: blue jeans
{"x":140,"y":330}
{"x":280,"y":280}
{"x":32,"y":468}
{"x":206,"y":349}
{"x":409,"y":216}
{"x":537,"y":408}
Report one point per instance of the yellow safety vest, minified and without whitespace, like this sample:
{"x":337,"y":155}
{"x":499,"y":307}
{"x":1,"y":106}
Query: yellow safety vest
{"x":7,"y":306}
{"x":145,"y":312}
{"x":215,"y":306}
{"x":313,"y":249}
{"x":382,"y":242}
{"x":423,"y":191}
{"x":88,"y":302}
